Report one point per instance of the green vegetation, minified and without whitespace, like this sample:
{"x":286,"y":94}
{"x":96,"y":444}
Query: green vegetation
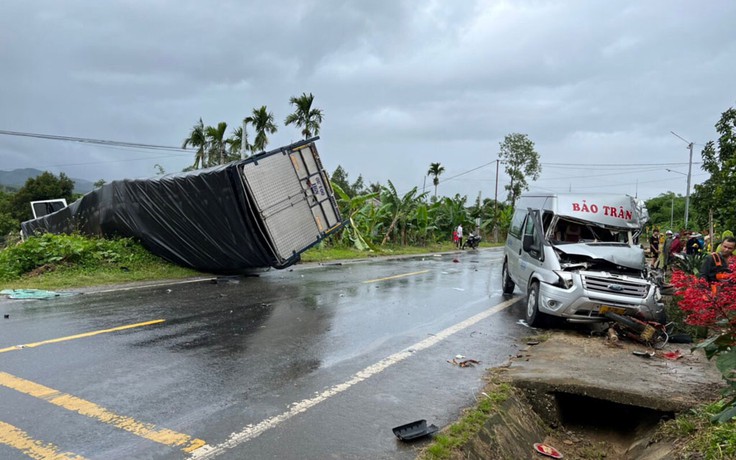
{"x":697,"y":437}
{"x":325,"y":252}
{"x":65,"y":261}
{"x":446,"y":444}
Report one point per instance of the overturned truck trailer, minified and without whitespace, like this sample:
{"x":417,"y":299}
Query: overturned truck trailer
{"x":260,"y":212}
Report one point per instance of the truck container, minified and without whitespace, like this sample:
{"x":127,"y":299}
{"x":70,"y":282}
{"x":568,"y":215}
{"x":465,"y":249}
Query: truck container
{"x":263,"y":211}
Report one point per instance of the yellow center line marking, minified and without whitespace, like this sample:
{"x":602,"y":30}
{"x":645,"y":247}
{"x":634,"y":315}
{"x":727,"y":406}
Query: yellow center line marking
{"x":81,"y":336}
{"x":94,"y":411}
{"x":396,"y":276}
{"x":19,"y":439}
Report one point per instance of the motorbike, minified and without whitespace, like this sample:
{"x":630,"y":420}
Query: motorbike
{"x":650,"y":333}
{"x":472,"y":242}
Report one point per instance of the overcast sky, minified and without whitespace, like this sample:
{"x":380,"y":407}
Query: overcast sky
{"x":402,"y":84}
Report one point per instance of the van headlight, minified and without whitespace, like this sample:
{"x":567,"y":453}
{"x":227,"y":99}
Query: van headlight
{"x":564,"y":279}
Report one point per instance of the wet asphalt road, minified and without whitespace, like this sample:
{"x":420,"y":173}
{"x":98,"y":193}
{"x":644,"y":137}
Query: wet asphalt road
{"x":316,"y":362}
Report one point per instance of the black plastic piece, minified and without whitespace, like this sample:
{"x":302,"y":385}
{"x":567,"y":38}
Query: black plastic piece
{"x":414,"y":430}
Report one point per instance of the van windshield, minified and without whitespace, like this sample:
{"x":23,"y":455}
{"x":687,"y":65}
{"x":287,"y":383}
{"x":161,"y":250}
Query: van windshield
{"x":566,"y":231}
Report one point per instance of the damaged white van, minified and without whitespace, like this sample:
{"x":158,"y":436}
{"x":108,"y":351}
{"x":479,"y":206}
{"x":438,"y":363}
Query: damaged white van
{"x":577,"y":256}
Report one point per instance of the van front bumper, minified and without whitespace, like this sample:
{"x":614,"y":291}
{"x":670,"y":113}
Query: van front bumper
{"x":591,"y":290}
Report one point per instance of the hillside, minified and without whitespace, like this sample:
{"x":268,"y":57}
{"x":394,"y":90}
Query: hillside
{"x":17,"y":177}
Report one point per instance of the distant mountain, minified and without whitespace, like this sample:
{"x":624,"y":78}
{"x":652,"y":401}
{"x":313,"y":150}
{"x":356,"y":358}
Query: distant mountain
{"x":18,"y":177}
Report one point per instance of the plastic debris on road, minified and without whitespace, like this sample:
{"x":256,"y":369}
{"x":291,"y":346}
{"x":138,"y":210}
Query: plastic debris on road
{"x":34,"y":294}
{"x":463,"y":362}
{"x":673,"y":355}
{"x":414,"y":430}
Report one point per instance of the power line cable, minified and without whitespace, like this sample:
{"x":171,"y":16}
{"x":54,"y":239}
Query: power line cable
{"x":85,"y":140}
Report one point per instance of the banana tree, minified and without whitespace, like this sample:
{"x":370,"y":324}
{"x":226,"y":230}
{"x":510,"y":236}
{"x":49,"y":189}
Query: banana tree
{"x":398,"y":209}
{"x":355,"y":207}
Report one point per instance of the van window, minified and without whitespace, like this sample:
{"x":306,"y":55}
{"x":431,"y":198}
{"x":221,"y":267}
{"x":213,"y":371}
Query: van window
{"x":529,"y":230}
{"x":516,"y":221}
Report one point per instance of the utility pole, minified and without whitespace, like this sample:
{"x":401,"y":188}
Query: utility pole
{"x":689,"y":172}
{"x":243,"y":142}
{"x":495,"y":207}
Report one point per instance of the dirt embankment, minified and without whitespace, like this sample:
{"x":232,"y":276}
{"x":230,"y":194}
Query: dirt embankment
{"x":592,"y":399}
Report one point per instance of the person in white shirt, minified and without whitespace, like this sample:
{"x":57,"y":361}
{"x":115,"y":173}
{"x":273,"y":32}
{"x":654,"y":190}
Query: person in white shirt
{"x":460,"y":236}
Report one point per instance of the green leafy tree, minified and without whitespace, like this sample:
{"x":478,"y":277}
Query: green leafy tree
{"x":666,"y":211}
{"x":8,"y":224}
{"x":341,"y":178}
{"x":43,"y":187}
{"x":99,"y":183}
{"x":263,"y":125}
{"x":718,"y":193}
{"x":435,"y":169}
{"x":520,"y":161}
{"x":305,"y":116}
{"x":197,"y":139}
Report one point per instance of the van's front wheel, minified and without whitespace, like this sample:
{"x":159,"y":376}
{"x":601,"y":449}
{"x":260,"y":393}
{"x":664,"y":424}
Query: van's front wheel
{"x":508,"y":284}
{"x":534,"y":317}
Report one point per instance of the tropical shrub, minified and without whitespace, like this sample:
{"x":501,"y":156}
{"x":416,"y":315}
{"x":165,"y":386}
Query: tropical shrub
{"x":49,"y":252}
{"x":714,"y":309}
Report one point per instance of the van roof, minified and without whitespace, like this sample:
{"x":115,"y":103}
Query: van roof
{"x":611,"y":210}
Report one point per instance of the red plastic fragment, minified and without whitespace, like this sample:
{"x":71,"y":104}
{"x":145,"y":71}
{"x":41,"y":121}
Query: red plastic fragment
{"x":549,"y":451}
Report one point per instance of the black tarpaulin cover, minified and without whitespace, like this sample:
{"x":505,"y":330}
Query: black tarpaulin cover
{"x":204,"y":219}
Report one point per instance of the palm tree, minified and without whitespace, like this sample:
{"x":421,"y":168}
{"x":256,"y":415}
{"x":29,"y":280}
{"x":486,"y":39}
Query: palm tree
{"x":262,"y":121}
{"x":197,"y":139}
{"x":216,"y":143}
{"x":435,"y":169}
{"x":304,"y":115}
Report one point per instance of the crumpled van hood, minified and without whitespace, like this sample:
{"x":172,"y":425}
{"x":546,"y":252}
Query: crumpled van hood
{"x":616,"y":253}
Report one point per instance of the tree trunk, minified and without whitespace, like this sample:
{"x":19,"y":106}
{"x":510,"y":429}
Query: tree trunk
{"x":390,"y":229}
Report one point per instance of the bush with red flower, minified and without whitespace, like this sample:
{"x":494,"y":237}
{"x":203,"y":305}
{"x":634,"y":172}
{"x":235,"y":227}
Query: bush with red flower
{"x":714,"y":309}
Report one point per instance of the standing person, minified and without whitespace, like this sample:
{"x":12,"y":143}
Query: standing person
{"x":454,"y":237}
{"x":715,"y":267}
{"x":654,"y":246}
{"x":694,"y":244}
{"x":665,"y":252}
{"x":676,"y":247}
{"x":459,"y":236}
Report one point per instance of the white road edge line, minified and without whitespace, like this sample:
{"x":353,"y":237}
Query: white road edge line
{"x":251,"y":431}
{"x":149,"y":285}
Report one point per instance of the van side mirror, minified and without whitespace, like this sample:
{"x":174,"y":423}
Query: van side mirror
{"x":527,"y":243}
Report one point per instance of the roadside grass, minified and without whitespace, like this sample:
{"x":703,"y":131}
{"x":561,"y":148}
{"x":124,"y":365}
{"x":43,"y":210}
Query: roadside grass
{"x":696,"y":437}
{"x":53,"y":262}
{"x":324,"y":253}
{"x":69,"y":261}
{"x":447,"y":444}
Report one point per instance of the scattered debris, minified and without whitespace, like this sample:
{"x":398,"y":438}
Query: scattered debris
{"x":460,"y":361}
{"x":459,"y":289}
{"x":612,"y":338}
{"x":455,"y":260}
{"x":643,"y":354}
{"x":6,"y":316}
{"x":532,"y":342}
{"x":414,"y":430}
{"x":549,"y":451}
{"x":34,"y":294}
{"x":673,"y":355}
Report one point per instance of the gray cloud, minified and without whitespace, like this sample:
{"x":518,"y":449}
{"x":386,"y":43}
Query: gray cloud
{"x":402,"y":84}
